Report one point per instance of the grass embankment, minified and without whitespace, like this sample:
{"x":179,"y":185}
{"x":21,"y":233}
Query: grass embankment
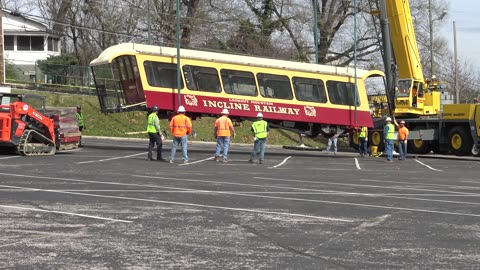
{"x":132,"y":124}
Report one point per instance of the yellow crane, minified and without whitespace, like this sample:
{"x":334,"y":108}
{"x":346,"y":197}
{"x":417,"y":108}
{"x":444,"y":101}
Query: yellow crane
{"x":411,"y":97}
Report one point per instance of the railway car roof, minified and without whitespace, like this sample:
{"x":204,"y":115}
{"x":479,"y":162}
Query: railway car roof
{"x":133,"y":48}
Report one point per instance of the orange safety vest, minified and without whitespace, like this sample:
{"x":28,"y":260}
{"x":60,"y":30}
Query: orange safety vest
{"x":223,"y":126}
{"x":180,"y":125}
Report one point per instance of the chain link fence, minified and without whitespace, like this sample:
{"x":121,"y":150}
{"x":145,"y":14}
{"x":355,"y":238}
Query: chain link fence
{"x":57,"y":78}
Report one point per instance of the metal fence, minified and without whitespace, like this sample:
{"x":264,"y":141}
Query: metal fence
{"x":58,"y":78}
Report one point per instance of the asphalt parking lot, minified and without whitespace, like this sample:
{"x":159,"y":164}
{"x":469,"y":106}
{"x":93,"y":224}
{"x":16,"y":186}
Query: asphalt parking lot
{"x":106,"y":207}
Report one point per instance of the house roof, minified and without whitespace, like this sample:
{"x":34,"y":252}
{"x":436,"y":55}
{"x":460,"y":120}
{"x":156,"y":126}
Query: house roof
{"x":16,"y":22}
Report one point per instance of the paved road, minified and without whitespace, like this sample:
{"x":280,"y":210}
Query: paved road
{"x":105,"y":207}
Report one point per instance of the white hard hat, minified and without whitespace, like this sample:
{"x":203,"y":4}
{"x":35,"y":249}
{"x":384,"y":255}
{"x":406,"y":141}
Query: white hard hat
{"x":225,"y":111}
{"x":388,"y":119}
{"x":181,"y":109}
{"x":402,"y":122}
{"x":259,"y":115}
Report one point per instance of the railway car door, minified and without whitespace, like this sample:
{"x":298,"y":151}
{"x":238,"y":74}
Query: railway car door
{"x":130,"y":79}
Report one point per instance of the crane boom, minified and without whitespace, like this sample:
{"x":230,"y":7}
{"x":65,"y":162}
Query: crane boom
{"x":412,"y":94}
{"x":404,"y":41}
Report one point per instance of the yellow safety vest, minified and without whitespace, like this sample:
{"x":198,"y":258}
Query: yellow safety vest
{"x":363,"y":132}
{"x":260,"y":129}
{"x":80,"y":121}
{"x":150,"y":123}
{"x":390,"y":132}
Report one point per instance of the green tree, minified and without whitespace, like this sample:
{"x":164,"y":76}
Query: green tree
{"x":58,"y":68}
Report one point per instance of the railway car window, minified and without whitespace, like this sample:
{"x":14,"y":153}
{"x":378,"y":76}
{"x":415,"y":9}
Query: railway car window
{"x":341,"y":93}
{"x":238,"y":82}
{"x":309,"y":90}
{"x":121,"y":68}
{"x":134,"y":66}
{"x":128,"y":68}
{"x":274,"y":86}
{"x":202,"y":79}
{"x":161,"y":74}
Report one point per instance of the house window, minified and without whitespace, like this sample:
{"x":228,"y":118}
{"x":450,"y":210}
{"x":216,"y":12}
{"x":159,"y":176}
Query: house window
{"x":52,"y":44}
{"x":9,"y":43}
{"x":37,"y":43}
{"x":23,"y":43}
{"x":30,"y":43}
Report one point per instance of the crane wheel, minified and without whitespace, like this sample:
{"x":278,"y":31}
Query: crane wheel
{"x":419,"y":146}
{"x":376,"y":139}
{"x":354,"y":140}
{"x":460,"y":140}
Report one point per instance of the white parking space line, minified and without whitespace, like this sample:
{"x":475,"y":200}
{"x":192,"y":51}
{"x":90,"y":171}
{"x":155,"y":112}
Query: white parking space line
{"x":395,"y":196}
{"x":63,"y":213}
{"x":420,"y":184}
{"x":357,"y":185}
{"x":431,"y":168}
{"x":264,"y":186}
{"x":9,"y":157}
{"x":177,"y":203}
{"x":357,"y":164}
{"x":281,"y":163}
{"x":108,"y":159}
{"x":198,"y":191}
{"x":197,"y":161}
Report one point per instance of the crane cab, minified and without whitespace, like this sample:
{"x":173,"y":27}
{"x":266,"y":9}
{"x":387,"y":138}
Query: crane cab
{"x":415,"y":97}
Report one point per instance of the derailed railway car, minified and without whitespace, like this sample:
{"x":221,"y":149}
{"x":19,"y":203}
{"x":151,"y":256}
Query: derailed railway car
{"x":308,"y":98}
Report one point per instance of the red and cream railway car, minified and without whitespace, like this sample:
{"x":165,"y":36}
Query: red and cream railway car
{"x":308,"y":98}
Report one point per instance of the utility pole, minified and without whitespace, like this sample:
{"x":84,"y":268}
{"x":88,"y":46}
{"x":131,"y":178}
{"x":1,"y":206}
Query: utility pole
{"x":178,"y":36}
{"x":148,"y":23}
{"x":455,"y":78}
{"x":430,"y":24}
{"x":2,"y":61}
{"x":315,"y":29}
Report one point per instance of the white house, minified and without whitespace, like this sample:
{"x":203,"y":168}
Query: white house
{"x":27,"y":40}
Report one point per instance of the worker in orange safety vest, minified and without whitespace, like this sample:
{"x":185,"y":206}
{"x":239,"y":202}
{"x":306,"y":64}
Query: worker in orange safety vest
{"x":223,"y":130}
{"x":180,"y":126}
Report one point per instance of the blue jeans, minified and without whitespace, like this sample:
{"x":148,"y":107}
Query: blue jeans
{"x":389,"y":149}
{"x":183,"y":142}
{"x":332,"y":142}
{"x":362,"y":146}
{"x":402,"y":149}
{"x":223,"y":143}
{"x":259,"y":145}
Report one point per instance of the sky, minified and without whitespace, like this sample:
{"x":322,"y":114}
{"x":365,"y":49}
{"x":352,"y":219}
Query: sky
{"x":466,"y":14}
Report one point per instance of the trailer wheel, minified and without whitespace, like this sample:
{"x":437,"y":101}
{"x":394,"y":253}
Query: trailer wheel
{"x":376,"y":139}
{"x":461,"y":142}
